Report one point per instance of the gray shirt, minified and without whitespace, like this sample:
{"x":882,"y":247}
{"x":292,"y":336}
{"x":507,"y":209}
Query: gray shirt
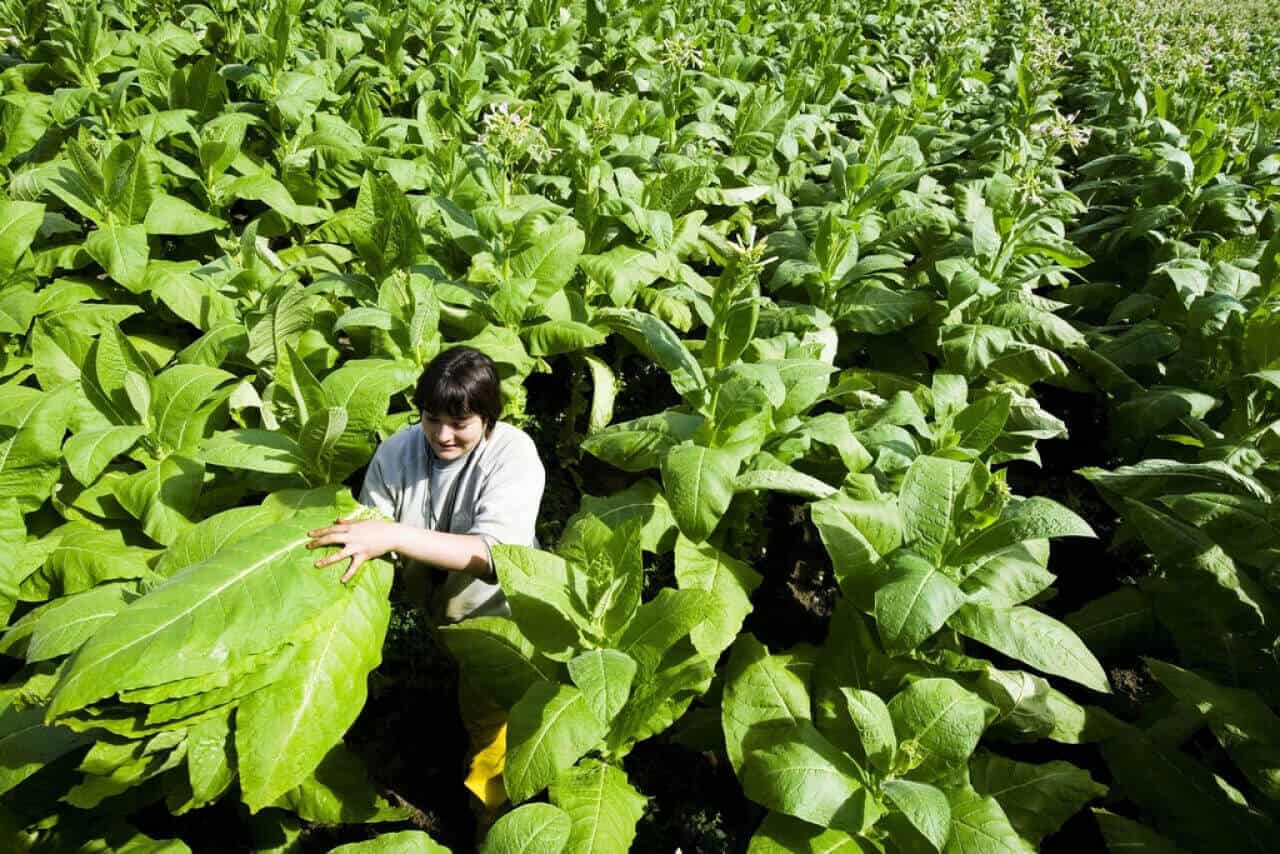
{"x":498,"y":495}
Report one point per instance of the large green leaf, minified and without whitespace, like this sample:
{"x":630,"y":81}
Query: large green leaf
{"x":1186,"y":554}
{"x":340,"y":792}
{"x":762,"y":699}
{"x":804,"y":775}
{"x":1032,"y":637}
{"x":89,"y":453}
{"x":163,"y":497}
{"x":1181,"y":797}
{"x":642,"y":500}
{"x":203,"y":540}
{"x":784,"y":479}
{"x":261,"y":187}
{"x":931,"y":499}
{"x":1010,"y":576}
{"x":782,"y":834}
{"x":1032,"y":519}
{"x":31,"y":427}
{"x":128,"y":178}
{"x":183,"y":399}
{"x":662,"y":622}
{"x":857,"y":534}
{"x":285,"y":730}
{"x":705,"y":567}
{"x":249,"y":598}
{"x":255,"y":450}
{"x":608,"y":572}
{"x":115,"y":378}
{"x":699,"y":484}
{"x":604,"y":677}
{"x":915,"y":601}
{"x":859,"y":723}
{"x":19,"y":224}
{"x":549,"y":729}
{"x":943,"y":722}
{"x":1242,"y":722}
{"x":403,"y":842}
{"x":1241,"y":526}
{"x":554,"y":337}
{"x":72,"y":620}
{"x":83,"y":556}
{"x":622,"y":271}
{"x":171,"y":215}
{"x":871,"y":307}
{"x":603,"y":806}
{"x":642,"y":443}
{"x":530,"y":829}
{"x":551,"y":259}
{"x":210,"y":758}
{"x":540,"y":590}
{"x":27,"y":744}
{"x":924,"y":806}
{"x":1120,"y":620}
{"x":1125,"y":836}
{"x":1156,"y":477}
{"x":363,"y":390}
{"x":1037,"y":799}
{"x":503,"y":661}
{"x":122,"y":251}
{"x":656,"y":340}
{"x":979,"y":826}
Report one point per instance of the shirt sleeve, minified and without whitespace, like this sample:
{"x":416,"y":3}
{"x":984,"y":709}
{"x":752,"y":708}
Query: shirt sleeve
{"x":376,"y":492}
{"x":506,"y":509}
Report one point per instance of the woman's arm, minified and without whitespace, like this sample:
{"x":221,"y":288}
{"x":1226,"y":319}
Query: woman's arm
{"x":371,"y":538}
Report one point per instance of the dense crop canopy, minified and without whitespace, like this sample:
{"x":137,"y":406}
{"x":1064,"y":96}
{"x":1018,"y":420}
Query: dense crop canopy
{"x":793,"y":298}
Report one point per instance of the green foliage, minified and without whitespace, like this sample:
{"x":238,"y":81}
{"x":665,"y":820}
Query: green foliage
{"x":853,"y":247}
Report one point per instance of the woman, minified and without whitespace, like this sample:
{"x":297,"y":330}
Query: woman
{"x":456,"y":485}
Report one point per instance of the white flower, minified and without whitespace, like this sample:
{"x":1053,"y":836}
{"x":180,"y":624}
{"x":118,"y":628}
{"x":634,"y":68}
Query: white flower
{"x":752,"y":250}
{"x":1064,"y":129}
{"x":681,"y":51}
{"x":512,"y":135}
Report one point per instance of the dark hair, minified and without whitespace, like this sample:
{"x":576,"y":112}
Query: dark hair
{"x":460,"y":381}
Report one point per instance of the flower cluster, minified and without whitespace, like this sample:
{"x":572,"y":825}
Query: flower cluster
{"x":1205,"y":41}
{"x":513,"y":136}
{"x":1065,"y":130}
{"x":1049,"y":49}
{"x":964,"y":19}
{"x":751,"y":252}
{"x":681,"y":51}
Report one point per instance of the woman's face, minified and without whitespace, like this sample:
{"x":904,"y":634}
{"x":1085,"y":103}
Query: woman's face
{"x":451,"y":436}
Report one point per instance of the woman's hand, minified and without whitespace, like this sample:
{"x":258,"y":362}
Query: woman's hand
{"x":360,"y":540}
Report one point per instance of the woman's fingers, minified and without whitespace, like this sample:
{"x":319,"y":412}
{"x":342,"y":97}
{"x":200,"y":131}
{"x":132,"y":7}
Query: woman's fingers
{"x":337,"y":538}
{"x":332,"y":529}
{"x":347,"y":552}
{"x":342,"y":533}
{"x":356,"y":562}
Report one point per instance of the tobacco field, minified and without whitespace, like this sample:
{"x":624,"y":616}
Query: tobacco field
{"x":907,"y":376}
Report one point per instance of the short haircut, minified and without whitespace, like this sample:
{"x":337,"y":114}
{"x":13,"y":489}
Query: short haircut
{"x":458,"y":382}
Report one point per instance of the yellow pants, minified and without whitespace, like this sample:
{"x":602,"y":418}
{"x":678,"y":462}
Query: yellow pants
{"x":486,"y":724}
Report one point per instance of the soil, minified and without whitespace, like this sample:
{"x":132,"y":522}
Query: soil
{"x":695,"y":803}
{"x":795,"y":600}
